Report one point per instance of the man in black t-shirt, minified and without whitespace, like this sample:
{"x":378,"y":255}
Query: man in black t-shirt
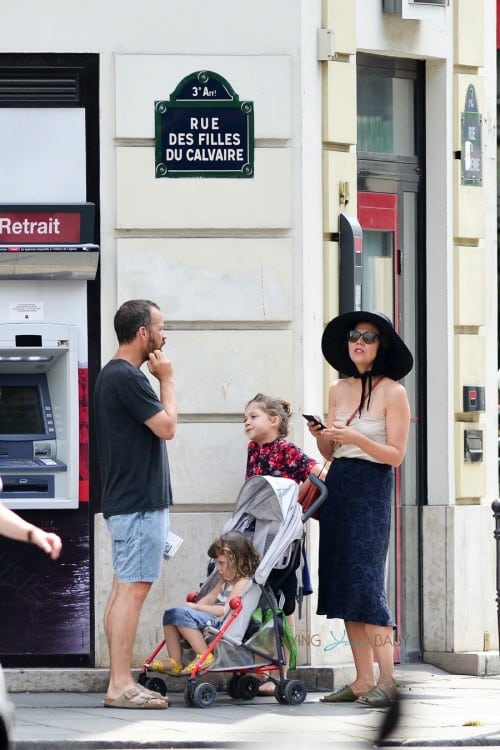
{"x":132,"y":425}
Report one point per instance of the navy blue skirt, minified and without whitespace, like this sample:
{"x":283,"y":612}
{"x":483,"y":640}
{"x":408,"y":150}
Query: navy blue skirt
{"x":355,"y":525}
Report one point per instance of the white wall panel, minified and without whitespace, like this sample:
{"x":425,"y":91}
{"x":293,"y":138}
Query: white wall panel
{"x":143,"y":79}
{"x":208,"y":461}
{"x":147,"y":202}
{"x":42,"y":152}
{"x":218,"y":371}
{"x":195,"y":279}
{"x":470,"y":286}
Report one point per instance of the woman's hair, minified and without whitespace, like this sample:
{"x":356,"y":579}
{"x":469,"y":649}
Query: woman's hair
{"x":275,"y":407}
{"x":239,"y":550}
{"x":131,"y":316}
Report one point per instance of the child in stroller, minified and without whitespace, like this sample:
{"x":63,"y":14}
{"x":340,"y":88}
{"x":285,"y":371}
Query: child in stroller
{"x":236,"y":560}
{"x":268,"y":513}
{"x":266,"y":425}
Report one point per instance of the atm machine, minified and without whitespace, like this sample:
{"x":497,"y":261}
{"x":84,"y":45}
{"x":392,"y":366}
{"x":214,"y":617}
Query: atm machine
{"x":39,"y":415}
{"x":47,"y":255}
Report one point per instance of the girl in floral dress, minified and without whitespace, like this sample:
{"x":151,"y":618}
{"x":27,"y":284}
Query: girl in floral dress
{"x":270,"y":454}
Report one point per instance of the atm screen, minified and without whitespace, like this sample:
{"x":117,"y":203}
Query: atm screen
{"x":21,"y":410}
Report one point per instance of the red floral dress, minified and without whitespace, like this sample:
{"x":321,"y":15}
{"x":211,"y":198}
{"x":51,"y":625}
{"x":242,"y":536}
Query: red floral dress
{"x":278,"y":459}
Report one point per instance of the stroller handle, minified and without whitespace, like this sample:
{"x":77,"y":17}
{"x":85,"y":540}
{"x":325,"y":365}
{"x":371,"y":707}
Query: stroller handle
{"x":323,"y":494}
{"x":236,"y":604}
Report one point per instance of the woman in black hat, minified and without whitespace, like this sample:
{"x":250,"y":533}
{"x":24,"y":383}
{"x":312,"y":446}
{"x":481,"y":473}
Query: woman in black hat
{"x":367,"y":432}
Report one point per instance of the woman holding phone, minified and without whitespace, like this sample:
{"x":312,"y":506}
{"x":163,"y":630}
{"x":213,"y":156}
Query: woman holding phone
{"x":366,"y":433}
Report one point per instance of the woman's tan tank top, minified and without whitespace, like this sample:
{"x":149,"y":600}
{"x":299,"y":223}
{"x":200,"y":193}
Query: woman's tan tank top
{"x":371,"y":423}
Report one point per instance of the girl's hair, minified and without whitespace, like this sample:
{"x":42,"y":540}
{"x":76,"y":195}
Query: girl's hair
{"x":275,"y":407}
{"x":239,"y":550}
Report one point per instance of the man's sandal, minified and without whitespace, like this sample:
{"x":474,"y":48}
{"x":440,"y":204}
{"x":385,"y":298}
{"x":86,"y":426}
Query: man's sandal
{"x":136,"y":698}
{"x":154,"y":693}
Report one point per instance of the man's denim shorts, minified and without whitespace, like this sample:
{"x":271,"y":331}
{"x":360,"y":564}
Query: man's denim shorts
{"x":138,"y":542}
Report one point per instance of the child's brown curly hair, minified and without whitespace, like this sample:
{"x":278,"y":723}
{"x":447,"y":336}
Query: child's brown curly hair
{"x":239,"y":551}
{"x":274,"y":407}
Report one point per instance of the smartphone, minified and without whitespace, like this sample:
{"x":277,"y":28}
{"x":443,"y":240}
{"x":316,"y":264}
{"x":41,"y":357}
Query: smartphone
{"x":314,"y":420}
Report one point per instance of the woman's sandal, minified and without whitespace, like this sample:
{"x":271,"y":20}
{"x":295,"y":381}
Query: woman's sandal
{"x":171,"y":666}
{"x":377,"y":697}
{"x":344,"y":695}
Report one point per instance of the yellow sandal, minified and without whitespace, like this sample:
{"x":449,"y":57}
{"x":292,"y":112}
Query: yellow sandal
{"x":209,"y":660}
{"x":171,"y":666}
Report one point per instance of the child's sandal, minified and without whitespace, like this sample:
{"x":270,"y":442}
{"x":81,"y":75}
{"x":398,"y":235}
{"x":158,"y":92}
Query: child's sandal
{"x":171,"y":666}
{"x":209,"y":660}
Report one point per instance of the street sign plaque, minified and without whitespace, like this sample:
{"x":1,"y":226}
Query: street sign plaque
{"x":471,"y":159}
{"x":204,"y":130}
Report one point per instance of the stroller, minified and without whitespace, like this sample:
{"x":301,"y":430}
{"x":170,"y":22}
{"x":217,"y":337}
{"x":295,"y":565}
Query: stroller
{"x":250,"y":640}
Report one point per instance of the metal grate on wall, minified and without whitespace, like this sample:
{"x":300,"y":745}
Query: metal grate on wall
{"x":25,"y":87}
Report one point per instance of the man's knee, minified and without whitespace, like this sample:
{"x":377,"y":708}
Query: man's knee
{"x":140,"y":590}
{"x":133,"y":592}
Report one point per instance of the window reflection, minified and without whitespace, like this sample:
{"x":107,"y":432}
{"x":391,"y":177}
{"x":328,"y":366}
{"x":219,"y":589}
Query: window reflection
{"x":385,"y":114}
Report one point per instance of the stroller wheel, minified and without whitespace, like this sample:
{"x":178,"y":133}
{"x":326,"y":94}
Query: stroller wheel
{"x":248,"y":687}
{"x":204,"y":695}
{"x":142,"y":679}
{"x":233,"y":687}
{"x":293,"y":693}
{"x":157,"y":684}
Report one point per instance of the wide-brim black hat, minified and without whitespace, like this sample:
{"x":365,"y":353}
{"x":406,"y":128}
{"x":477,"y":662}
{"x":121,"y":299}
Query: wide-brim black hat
{"x":394,"y":359}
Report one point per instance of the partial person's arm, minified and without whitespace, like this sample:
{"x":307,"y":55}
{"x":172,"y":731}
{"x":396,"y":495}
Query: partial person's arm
{"x":15,"y":527}
{"x":206,"y":603}
{"x":164,"y":423}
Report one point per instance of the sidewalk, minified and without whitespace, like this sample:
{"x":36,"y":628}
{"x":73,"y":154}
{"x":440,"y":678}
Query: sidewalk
{"x":437,"y":710}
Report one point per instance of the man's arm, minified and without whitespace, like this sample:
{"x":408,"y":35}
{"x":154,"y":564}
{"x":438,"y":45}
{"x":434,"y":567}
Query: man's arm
{"x":164,"y":423}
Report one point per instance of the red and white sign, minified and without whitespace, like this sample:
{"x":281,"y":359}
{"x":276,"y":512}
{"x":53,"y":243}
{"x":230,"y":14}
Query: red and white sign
{"x":40,"y":228}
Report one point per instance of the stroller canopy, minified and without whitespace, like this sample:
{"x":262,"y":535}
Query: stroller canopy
{"x":267,"y":507}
